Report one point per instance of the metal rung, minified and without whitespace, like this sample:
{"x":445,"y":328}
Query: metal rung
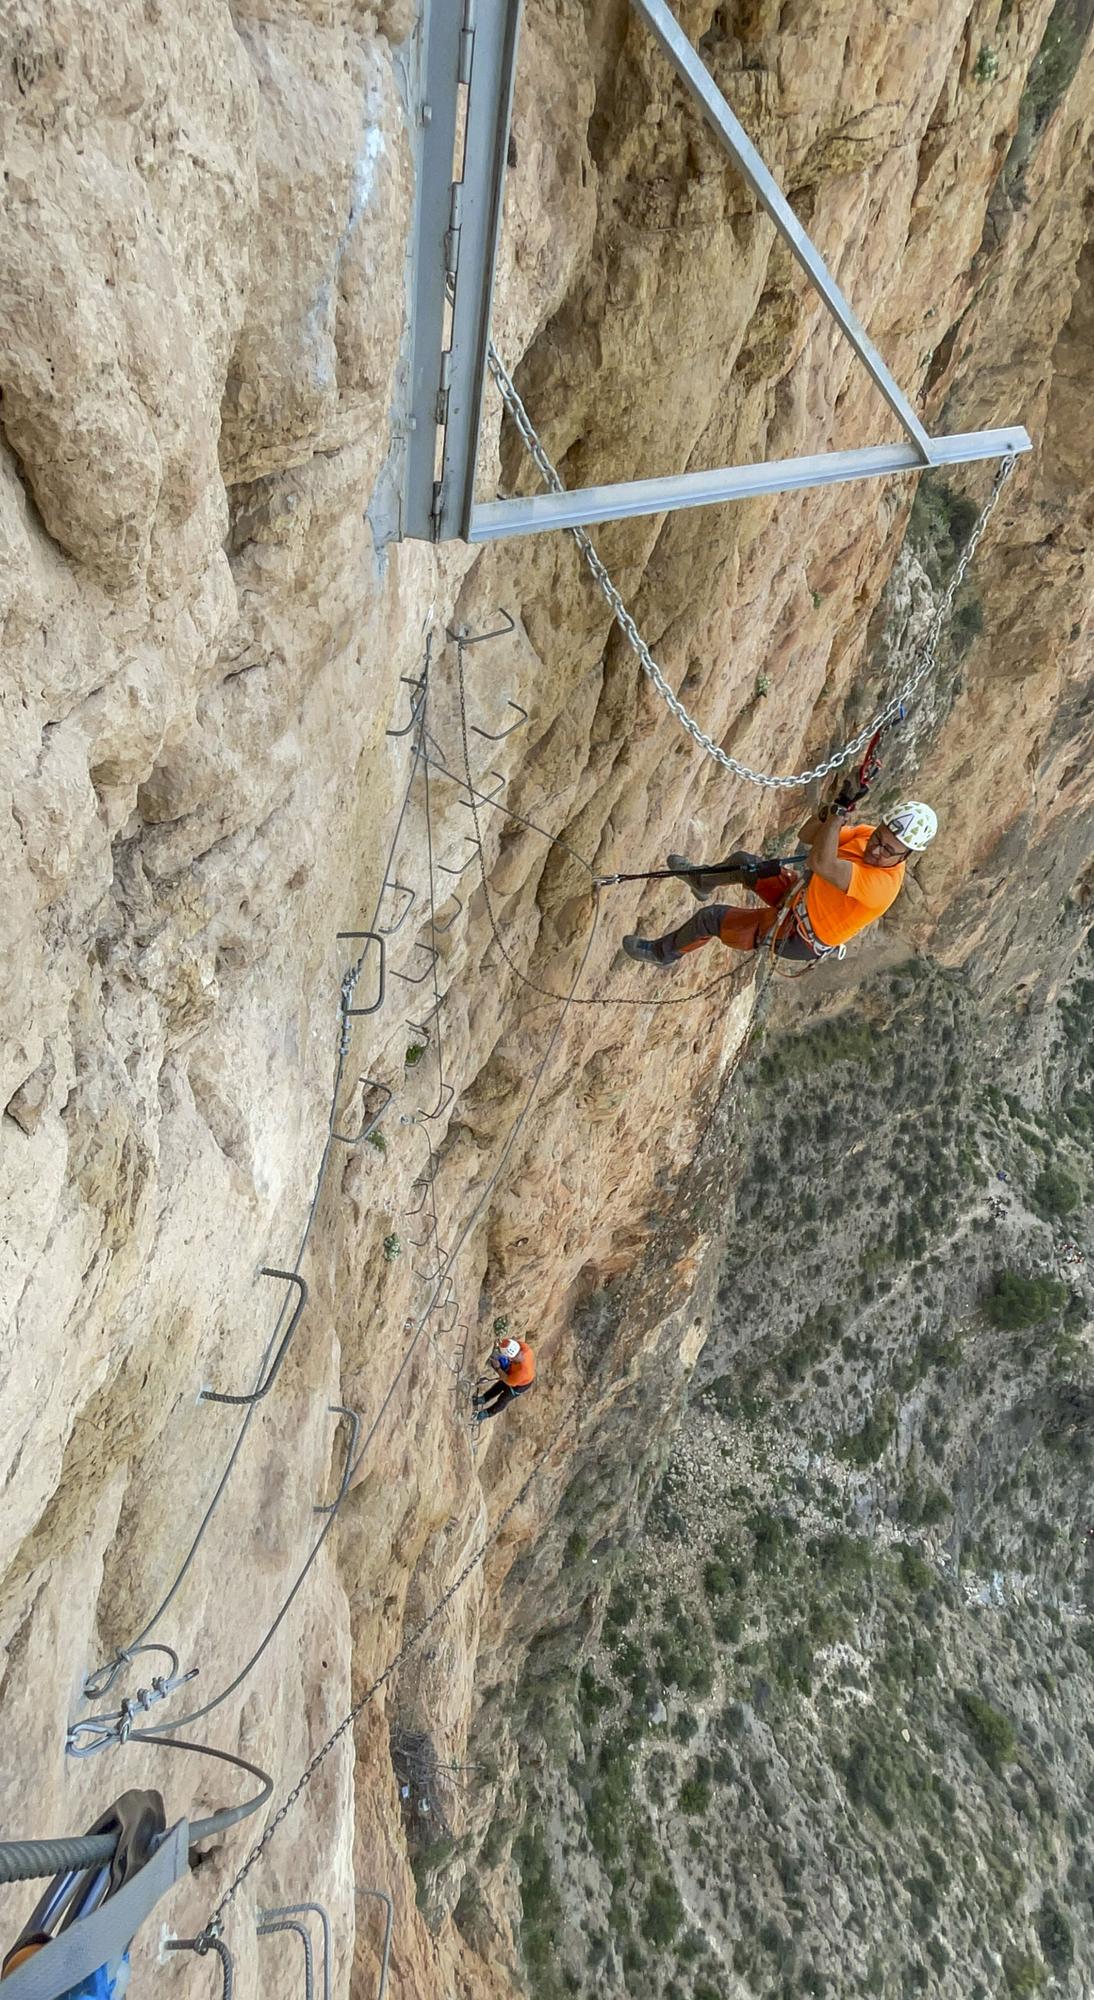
{"x":354,"y":1421}
{"x":418,"y":684}
{"x":373,"y":937}
{"x":444,"y":1099}
{"x":499,"y":735}
{"x":463,"y":638}
{"x":302,"y":1932}
{"x":486,"y":798}
{"x":399,"y":888}
{"x":303,"y":1910}
{"x":290,"y":1278}
{"x":407,"y":978}
{"x":442,"y":870}
{"x":441,"y":929}
{"x":370,"y":1124}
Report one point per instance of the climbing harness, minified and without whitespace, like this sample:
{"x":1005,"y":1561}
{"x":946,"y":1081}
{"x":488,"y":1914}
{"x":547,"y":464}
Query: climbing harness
{"x":793,"y":781}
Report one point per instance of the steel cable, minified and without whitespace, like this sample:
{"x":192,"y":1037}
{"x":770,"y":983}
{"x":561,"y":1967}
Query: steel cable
{"x":214,"y":1924}
{"x":446,"y":1266}
{"x":546,"y":992}
{"x":233,"y":1456}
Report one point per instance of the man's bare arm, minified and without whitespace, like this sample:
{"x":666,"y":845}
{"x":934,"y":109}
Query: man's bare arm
{"x":824,"y":855}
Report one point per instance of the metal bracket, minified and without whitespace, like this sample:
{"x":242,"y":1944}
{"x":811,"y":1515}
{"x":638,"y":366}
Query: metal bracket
{"x":417,"y":682}
{"x":290,"y":1278}
{"x":303,"y":1910}
{"x":499,"y":735}
{"x":454,"y":236}
{"x":370,"y":1124}
{"x":406,"y":976}
{"x":389,"y":930}
{"x":455,"y":239}
{"x":353,"y":975}
{"x":354,"y":1421}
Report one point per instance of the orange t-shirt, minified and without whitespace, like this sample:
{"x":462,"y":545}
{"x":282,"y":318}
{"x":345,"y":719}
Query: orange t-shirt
{"x":836,"y":914}
{"x":521,"y":1371}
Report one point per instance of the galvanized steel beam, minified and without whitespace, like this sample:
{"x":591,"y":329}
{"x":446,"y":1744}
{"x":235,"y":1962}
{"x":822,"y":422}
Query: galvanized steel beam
{"x":693,"y":72}
{"x":468,"y":63}
{"x":495,"y":519}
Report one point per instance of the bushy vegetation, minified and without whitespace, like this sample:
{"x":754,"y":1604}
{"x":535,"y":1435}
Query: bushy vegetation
{"x":786,"y":1695}
{"x":992,"y":1733}
{"x":1016,"y":1301}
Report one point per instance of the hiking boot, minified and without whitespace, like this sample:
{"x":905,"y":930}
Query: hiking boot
{"x":680,"y":865}
{"x":646,"y":951}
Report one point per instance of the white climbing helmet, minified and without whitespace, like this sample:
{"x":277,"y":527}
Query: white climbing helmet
{"x":913,"y":823}
{"x":510,"y":1349}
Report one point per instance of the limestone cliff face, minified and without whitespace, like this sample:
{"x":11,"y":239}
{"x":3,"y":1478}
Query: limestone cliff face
{"x":200,"y":319}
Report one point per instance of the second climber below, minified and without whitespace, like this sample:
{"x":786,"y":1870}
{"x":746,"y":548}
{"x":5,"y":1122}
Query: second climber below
{"x":514,"y":1364}
{"x":852,"y":875}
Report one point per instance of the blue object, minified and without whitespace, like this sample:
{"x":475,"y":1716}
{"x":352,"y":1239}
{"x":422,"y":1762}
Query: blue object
{"x":107,"y":1982}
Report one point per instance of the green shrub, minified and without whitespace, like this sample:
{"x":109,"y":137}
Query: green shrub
{"x":694,"y":1797}
{"x":1022,"y":1974}
{"x":992,"y":1733}
{"x":865,"y":1446}
{"x":1055,"y":1193}
{"x":1015,"y":1302}
{"x":541,"y":1909}
{"x":664,"y":1912}
{"x":1054,"y":1935}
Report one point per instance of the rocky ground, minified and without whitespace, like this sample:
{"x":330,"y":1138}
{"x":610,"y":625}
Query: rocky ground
{"x":832,"y":1735}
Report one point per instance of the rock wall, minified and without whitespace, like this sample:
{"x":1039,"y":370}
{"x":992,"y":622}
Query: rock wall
{"x":200,"y":323}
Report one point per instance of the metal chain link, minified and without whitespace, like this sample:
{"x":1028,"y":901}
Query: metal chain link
{"x":214,"y":1926}
{"x":649,"y":666}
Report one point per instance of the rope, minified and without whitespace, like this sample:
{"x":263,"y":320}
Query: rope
{"x":787,"y":783}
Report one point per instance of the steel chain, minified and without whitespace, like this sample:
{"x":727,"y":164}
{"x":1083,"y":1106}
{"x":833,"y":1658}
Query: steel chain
{"x":649,"y":666}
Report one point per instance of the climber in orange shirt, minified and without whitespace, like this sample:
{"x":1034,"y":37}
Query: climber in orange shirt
{"x":853,"y":874}
{"x":515,"y":1366}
